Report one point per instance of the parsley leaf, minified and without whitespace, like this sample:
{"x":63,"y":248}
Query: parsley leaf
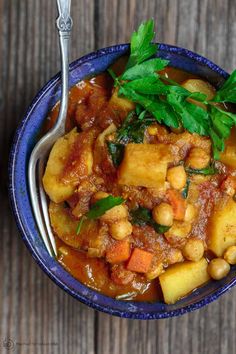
{"x":221,"y":124}
{"x":145,"y":69}
{"x":167,"y":101}
{"x":99,"y":208}
{"x":194,"y":118}
{"x":141,"y":47}
{"x":227,"y":93}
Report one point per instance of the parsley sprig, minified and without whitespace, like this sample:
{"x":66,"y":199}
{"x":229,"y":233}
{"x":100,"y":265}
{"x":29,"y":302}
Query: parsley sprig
{"x":166,"y":100}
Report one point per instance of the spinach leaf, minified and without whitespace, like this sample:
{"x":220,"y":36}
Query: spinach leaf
{"x":210,"y":170}
{"x":185,"y":190}
{"x":99,"y":208}
{"x":143,"y":216}
{"x":116,"y":151}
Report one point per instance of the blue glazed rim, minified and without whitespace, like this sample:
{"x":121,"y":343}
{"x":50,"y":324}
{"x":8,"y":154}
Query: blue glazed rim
{"x":134,"y":310}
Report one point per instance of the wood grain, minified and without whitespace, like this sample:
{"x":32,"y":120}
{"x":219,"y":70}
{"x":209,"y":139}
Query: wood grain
{"x":34,"y":313}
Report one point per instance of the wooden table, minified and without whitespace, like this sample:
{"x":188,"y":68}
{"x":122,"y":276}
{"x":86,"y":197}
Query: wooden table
{"x":36,"y":316}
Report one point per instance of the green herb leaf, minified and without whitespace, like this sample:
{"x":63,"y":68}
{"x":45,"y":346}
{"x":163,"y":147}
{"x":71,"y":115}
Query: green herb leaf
{"x":160,"y":229}
{"x":141,"y":47}
{"x":133,"y":128}
{"x":158,"y":108}
{"x":166,"y":100}
{"x":82,"y":219}
{"x":210,"y":170}
{"x":186,"y":189}
{"x":145,"y":69}
{"x":194,"y":118}
{"x":221,"y":124}
{"x":227,"y":93}
{"x":116,"y":151}
{"x":98,"y":209}
{"x":150,"y":85}
{"x":102,"y":205}
{"x":143,"y":216}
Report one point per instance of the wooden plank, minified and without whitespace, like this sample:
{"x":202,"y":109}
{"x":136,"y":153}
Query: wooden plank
{"x":34,"y":312}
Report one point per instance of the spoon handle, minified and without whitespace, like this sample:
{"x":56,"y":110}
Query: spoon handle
{"x":64,"y":25}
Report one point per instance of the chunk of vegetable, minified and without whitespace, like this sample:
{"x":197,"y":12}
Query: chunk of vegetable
{"x":228,"y":156}
{"x":230,"y":255}
{"x":222,"y":228}
{"x":63,"y":173}
{"x":145,"y":165}
{"x":63,"y":225}
{"x":178,"y":203}
{"x":182,"y":278}
{"x":120,"y":102}
{"x":100,"y":141}
{"x":140,"y":261}
{"x":118,"y":252}
{"x":198,"y":85}
{"x":53,"y":185}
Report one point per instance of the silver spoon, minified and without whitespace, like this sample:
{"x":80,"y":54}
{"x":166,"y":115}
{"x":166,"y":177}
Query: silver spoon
{"x":41,"y":150}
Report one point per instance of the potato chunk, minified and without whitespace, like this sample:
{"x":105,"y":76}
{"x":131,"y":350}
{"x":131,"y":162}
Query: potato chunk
{"x":180,"y":279}
{"x":70,"y":159}
{"x":145,"y":165}
{"x":228,"y":156}
{"x":121,"y":102}
{"x":222,"y":228}
{"x":63,"y":225}
{"x":198,"y":85}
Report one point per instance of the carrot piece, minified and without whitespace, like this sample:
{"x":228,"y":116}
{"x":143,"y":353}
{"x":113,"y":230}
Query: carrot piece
{"x":178,"y":203}
{"x":140,"y":261}
{"x":118,"y":252}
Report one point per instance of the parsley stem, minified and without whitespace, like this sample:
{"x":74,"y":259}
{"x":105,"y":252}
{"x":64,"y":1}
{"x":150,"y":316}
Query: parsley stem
{"x":113,"y":75}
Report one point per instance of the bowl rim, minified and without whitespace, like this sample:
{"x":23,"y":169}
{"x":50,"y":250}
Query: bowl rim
{"x":13,"y":200}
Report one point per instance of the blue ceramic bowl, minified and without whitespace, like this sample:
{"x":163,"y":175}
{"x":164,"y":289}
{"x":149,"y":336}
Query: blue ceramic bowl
{"x":24,"y":141}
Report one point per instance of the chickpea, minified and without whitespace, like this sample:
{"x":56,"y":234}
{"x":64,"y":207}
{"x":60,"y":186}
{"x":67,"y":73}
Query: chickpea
{"x":155,"y":271}
{"x":116,"y":213}
{"x":218,"y":268}
{"x":177,"y":177}
{"x":174,"y":256}
{"x":163,"y":214}
{"x":152,"y":129}
{"x":230,"y":255}
{"x":179,"y":229}
{"x":120,"y":229}
{"x":98,"y":195}
{"x":198,"y":158}
{"x":190,"y":213}
{"x":193,"y":250}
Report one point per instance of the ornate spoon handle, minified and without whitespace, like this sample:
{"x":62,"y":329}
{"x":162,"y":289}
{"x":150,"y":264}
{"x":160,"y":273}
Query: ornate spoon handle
{"x":64,"y":25}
